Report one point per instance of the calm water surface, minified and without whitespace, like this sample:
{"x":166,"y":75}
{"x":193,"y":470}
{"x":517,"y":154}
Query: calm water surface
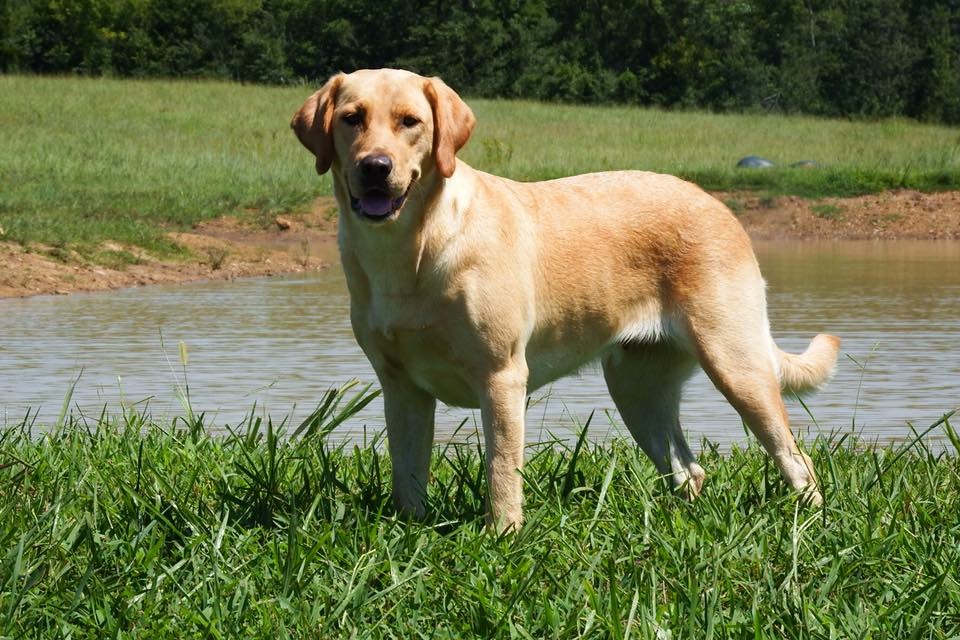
{"x":280,"y":343}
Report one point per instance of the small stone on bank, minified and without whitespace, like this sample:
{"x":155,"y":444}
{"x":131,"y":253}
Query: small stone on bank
{"x":754,"y":162}
{"x":282,"y":223}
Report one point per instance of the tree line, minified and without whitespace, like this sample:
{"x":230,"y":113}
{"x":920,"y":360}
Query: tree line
{"x":849,"y":58}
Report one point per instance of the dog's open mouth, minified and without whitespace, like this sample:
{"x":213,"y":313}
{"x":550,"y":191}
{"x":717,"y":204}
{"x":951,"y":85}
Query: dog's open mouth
{"x":377,"y":205}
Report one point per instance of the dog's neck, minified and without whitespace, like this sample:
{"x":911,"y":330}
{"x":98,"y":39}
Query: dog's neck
{"x":396,"y":255}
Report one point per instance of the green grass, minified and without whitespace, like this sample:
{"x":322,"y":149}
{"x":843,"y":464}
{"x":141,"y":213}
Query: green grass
{"x":120,"y":526}
{"x":539,"y":141}
{"x":827,"y":211}
{"x":83,"y":161}
{"x":87,"y":160}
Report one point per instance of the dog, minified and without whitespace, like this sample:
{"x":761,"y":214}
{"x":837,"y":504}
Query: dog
{"x":475,"y":290}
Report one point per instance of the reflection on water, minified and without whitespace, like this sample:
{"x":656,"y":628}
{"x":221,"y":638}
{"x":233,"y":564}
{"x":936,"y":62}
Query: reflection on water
{"x":282,"y":342}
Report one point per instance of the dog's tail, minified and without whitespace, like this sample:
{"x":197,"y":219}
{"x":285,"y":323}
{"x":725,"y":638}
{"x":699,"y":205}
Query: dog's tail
{"x":810,"y":370}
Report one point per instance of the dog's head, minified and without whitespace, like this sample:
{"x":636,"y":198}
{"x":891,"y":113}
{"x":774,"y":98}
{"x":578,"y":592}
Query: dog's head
{"x":382,"y":132}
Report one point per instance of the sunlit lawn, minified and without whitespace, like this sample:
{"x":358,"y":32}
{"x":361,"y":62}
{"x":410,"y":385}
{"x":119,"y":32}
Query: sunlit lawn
{"x":86,"y":160}
{"x":121,"y":526}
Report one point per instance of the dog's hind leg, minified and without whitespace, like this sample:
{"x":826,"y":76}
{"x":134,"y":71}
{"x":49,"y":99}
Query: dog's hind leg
{"x":735,"y":352}
{"x":645,"y":381}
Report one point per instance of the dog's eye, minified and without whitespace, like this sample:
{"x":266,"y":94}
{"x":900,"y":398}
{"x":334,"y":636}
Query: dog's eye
{"x":353,"y":119}
{"x":410,"y":121}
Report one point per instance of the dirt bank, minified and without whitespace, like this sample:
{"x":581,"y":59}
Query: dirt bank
{"x":225,"y":248}
{"x":892,"y":215}
{"x":220,"y":249}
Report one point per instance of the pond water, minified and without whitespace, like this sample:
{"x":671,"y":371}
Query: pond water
{"x":282,"y":342}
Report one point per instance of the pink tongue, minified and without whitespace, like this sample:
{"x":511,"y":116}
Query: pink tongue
{"x":376,"y":205}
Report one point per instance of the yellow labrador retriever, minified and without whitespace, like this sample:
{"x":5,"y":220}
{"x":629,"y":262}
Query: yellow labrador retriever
{"x":475,"y":290}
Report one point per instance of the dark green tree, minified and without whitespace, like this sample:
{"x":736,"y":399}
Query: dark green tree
{"x":854,"y":58}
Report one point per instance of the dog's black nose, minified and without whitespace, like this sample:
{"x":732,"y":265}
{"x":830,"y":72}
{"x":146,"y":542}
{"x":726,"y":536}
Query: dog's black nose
{"x":375,"y":168}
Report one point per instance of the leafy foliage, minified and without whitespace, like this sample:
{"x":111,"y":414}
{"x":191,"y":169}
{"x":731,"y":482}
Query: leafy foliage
{"x":858,"y":58}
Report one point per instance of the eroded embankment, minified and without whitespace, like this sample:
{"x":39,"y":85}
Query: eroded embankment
{"x":227,"y":248}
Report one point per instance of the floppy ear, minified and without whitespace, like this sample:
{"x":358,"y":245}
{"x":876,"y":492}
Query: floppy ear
{"x":313,"y":123}
{"x":452,"y":123}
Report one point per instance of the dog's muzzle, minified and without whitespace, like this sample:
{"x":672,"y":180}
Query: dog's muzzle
{"x":376,"y":202}
{"x":377,"y":205}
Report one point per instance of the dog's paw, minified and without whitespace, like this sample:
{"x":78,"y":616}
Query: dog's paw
{"x":689,"y":482}
{"x":810,"y":496}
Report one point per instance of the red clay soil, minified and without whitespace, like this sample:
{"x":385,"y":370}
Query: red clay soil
{"x":226,"y":248}
{"x":892,"y":215}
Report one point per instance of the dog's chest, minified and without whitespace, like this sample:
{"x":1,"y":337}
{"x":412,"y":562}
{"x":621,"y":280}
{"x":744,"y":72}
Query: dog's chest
{"x":416,"y":335}
{"x":385,"y":315}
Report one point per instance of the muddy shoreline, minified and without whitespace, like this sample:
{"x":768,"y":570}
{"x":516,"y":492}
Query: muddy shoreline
{"x":225,"y":248}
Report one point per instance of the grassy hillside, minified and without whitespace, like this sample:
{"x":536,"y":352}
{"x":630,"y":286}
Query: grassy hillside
{"x":82,"y":161}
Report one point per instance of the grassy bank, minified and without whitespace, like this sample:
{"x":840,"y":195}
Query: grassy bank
{"x":83,"y":161}
{"x":122,"y":527}
{"x":538,"y":141}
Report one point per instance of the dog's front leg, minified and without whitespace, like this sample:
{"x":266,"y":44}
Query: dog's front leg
{"x":409,"y":413}
{"x":502,"y":408}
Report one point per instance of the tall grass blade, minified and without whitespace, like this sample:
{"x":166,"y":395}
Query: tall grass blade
{"x":329,"y":415}
{"x":952,"y":435}
{"x":909,"y":446}
{"x":607,"y":479}
{"x":67,"y":399}
{"x":570,"y":476}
